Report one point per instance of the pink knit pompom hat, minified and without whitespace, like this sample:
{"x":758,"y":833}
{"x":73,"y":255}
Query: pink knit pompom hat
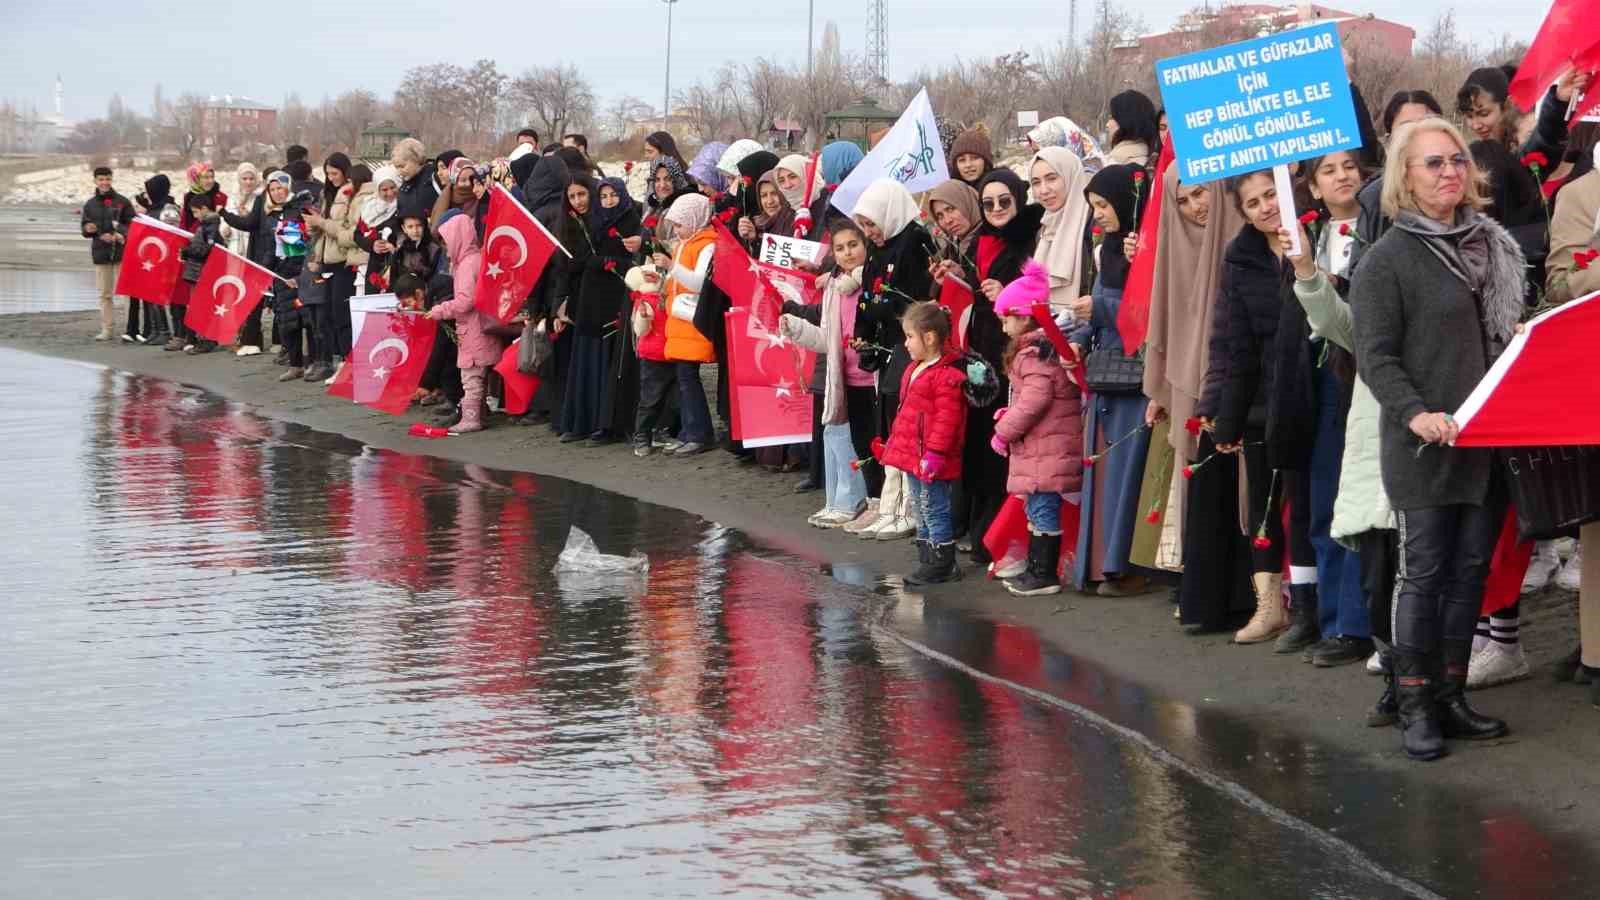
{"x":1019,"y":297}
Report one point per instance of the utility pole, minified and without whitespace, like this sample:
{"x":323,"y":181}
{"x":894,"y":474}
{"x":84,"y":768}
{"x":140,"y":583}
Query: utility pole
{"x":811,"y":43}
{"x":666,"y":89}
{"x":877,"y":42}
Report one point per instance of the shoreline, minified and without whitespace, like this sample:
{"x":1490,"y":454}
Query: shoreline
{"x":1542,"y":771}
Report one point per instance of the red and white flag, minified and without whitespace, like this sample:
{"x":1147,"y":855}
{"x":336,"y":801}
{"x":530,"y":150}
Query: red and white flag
{"x":516,"y":247}
{"x":520,"y":387}
{"x":385,"y":365}
{"x":151,"y":264}
{"x":1569,"y":38}
{"x":955,"y":295}
{"x":1544,"y":390}
{"x":230,"y":286}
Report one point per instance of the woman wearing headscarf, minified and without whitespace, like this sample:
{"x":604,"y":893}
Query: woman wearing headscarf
{"x":659,"y":145}
{"x":155,"y":198}
{"x":688,"y":272}
{"x":790,"y":176}
{"x":895,"y":276}
{"x":249,"y":192}
{"x":1115,"y":426}
{"x":476,"y":348}
{"x":246,"y":243}
{"x":202,"y":180}
{"x":1434,"y":303}
{"x":1064,"y":133}
{"x":1059,"y":181}
{"x":1135,"y":130}
{"x":570,"y":424}
{"x":668,"y":182}
{"x":603,"y":382}
{"x":703,"y":168}
{"x":1197,"y":221}
{"x":972,"y":156}
{"x":728,"y":163}
{"x":957,"y":214}
{"x":754,"y":170}
{"x":377,"y":230}
{"x":839,"y":159}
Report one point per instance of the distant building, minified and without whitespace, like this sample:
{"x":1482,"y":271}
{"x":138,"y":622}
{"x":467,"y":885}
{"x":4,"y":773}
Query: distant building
{"x":230,"y":121}
{"x":1211,"y":26}
{"x":786,"y":134}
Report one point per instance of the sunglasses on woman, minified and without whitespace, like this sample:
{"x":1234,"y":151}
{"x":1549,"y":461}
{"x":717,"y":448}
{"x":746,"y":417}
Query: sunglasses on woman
{"x":995,"y":204}
{"x":1435,"y":164}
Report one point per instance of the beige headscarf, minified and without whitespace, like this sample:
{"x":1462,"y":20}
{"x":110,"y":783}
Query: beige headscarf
{"x":797,"y":163}
{"x":1061,"y":235}
{"x":889,"y":205}
{"x":959,"y":194}
{"x":1183,"y":297}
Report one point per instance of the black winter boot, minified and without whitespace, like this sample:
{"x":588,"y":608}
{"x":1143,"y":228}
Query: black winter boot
{"x":1304,"y":630}
{"x":939,"y":565}
{"x":1387,"y":710}
{"x":1414,"y":684}
{"x":1044,"y":553}
{"x":1457,"y":719}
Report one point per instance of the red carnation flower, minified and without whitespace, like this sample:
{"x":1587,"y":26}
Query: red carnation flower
{"x":108,"y":202}
{"x":1535,"y":160}
{"x":610,"y":265}
{"x":855,"y":464}
{"x":1088,"y":462}
{"x":877,"y":285}
{"x":744,"y":180}
{"x":1344,"y":229}
{"x":1309,"y":216}
{"x":1192,"y":425}
{"x":1261,"y":542}
{"x":1580,"y":260}
{"x":627,"y":168}
{"x":1188,"y":471}
{"x":1097,"y":230}
{"x":651,"y":222}
{"x":613,"y":232}
{"x":725,"y":216}
{"x":1138,"y":177}
{"x":1153,"y":517}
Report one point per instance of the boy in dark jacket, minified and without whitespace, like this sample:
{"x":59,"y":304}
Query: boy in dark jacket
{"x":207,"y":231}
{"x":105,"y":221}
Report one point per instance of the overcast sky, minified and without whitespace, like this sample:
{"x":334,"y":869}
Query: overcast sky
{"x":265,"y":50}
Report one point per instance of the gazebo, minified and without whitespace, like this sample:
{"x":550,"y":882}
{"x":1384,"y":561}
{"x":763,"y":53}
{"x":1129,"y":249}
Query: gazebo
{"x":858,"y":121}
{"x":379,"y":140}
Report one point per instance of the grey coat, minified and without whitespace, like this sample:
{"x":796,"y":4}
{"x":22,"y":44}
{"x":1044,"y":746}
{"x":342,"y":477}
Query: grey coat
{"x":1423,"y":341}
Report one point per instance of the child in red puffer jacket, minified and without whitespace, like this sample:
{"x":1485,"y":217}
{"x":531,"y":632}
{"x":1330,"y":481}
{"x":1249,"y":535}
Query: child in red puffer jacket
{"x":925,"y":442}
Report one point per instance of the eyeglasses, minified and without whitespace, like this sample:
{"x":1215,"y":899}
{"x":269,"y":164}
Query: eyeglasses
{"x":995,"y":204}
{"x":1435,"y":164}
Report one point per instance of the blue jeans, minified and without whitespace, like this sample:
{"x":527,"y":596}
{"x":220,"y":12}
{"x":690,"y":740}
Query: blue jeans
{"x":1044,"y":512}
{"x":1341,"y":596}
{"x":845,"y":486}
{"x":932,"y":499}
{"x":693,"y":413}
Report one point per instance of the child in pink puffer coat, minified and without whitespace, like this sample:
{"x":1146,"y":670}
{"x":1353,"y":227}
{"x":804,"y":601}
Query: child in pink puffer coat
{"x":1041,"y":430}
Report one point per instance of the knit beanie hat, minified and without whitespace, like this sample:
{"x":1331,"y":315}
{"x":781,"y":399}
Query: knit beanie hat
{"x":974,"y":141}
{"x":1020,"y":296}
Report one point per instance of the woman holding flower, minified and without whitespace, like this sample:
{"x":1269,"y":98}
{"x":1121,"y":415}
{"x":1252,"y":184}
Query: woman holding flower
{"x":599,"y":394}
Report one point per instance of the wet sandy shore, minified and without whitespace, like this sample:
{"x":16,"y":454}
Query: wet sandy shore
{"x":1544,"y":769}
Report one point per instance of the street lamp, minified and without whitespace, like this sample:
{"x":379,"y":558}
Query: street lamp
{"x":666,"y":89}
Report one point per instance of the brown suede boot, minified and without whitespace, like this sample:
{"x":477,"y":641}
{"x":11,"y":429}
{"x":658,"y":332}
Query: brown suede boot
{"x":1270,"y":619}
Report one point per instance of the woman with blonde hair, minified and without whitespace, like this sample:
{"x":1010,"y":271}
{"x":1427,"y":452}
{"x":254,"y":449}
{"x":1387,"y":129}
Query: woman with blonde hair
{"x":1434,"y":302}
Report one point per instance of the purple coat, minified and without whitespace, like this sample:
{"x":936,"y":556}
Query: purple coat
{"x":1043,"y":423}
{"x":474,"y":346}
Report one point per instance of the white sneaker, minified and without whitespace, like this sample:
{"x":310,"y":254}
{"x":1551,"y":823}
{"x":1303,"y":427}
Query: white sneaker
{"x":102,"y":336}
{"x":248,"y":350}
{"x":1497,"y":664}
{"x":1571,"y":571}
{"x":1541,"y":568}
{"x":1010,"y":571}
{"x":833,"y":518}
{"x":895,"y":528}
{"x":1375,"y":664}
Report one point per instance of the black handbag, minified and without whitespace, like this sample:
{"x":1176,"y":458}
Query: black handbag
{"x":535,"y":349}
{"x":315,"y":288}
{"x":1109,"y":372}
{"x":1555,"y":489}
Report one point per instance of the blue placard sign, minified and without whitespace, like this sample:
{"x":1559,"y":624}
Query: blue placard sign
{"x":1259,"y":103}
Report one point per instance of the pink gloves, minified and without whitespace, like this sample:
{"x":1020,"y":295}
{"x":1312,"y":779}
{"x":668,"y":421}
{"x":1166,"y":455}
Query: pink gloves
{"x":1000,"y":413}
{"x":1000,"y":445}
{"x":931,"y":463}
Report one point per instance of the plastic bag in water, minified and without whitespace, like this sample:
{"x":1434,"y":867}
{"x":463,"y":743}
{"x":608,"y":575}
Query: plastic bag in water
{"x":581,"y":556}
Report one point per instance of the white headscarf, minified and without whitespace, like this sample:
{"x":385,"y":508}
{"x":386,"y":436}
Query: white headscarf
{"x":376,"y":210}
{"x":797,"y":163}
{"x":728,"y":164}
{"x":888,"y":204}
{"x":1061,"y":131}
{"x":1061,"y":234}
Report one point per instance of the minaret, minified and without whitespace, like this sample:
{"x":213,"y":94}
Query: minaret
{"x":59,"y":116}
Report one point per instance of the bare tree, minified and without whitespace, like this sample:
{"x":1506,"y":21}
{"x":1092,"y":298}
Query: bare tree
{"x":557,"y":96}
{"x":292,"y":121}
{"x":429,"y":101}
{"x":1443,"y":59}
{"x":482,"y":87}
{"x":185,"y":120}
{"x":836,"y":79}
{"x":1374,"y":71}
{"x":349,"y":114}
{"x":765,"y":91}
{"x":624,"y":111}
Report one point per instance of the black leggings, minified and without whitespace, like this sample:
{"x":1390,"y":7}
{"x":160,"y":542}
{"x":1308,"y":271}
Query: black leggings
{"x":1444,"y":561}
{"x":1266,"y":512}
{"x":1380,"y":556}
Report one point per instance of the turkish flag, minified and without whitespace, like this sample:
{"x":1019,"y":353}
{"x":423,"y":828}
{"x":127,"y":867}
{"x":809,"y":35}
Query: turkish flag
{"x":151,"y":265}
{"x":955,"y":295}
{"x":230,"y":286}
{"x":1052,"y":333}
{"x":768,"y":375}
{"x":1544,"y":390}
{"x":733,"y":270}
{"x":520,"y":388}
{"x":1133,"y":316}
{"x":385,"y":366}
{"x":516,"y":248}
{"x":1568,"y":39}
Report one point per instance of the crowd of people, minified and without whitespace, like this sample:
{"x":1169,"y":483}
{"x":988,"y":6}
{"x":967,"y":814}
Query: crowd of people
{"x":1284,"y":431}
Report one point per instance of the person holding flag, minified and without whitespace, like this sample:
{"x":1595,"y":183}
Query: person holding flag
{"x":1434,"y":303}
{"x":476,"y":348}
{"x":207,"y":231}
{"x":105,"y":220}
